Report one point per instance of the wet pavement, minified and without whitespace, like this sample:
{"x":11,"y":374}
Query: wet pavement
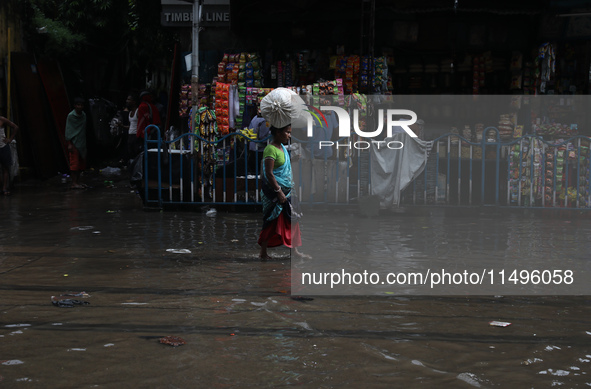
{"x":151,"y":274}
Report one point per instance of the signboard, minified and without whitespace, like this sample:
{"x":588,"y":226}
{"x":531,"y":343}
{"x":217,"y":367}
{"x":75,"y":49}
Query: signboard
{"x":177,"y":13}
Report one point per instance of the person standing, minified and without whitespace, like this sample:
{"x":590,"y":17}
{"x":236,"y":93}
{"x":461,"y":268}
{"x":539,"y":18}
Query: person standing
{"x":5,"y":152}
{"x":76,"y":141}
{"x":147,"y":114}
{"x":259,"y":125}
{"x":133,"y":147}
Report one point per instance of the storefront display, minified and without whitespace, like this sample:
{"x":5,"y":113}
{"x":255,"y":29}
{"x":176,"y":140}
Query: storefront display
{"x":185,"y":100}
{"x":536,"y":170}
{"x":238,"y":87}
{"x":545,"y":66}
{"x":552,"y":174}
{"x":206,"y":127}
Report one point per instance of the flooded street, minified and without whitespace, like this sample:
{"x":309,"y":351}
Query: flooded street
{"x":150,"y":274}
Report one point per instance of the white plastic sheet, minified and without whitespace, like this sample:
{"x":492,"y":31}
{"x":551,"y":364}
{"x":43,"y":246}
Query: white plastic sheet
{"x":392,"y":170}
{"x":283,"y":106}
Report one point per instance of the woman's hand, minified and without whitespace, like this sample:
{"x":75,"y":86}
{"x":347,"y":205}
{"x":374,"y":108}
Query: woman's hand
{"x":281,"y":197}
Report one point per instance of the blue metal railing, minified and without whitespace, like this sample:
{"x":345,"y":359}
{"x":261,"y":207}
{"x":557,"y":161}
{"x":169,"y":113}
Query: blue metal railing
{"x":192,"y":170}
{"x":520,"y":166}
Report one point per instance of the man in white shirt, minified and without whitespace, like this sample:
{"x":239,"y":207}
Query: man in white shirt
{"x":133,"y":144}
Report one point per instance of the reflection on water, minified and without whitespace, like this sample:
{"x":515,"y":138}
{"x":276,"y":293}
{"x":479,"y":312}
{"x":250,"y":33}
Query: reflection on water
{"x":242,"y":327}
{"x":479,"y":241}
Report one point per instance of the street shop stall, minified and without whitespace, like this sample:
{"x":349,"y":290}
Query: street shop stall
{"x":480,"y":154}
{"x":534,"y":155}
{"x":524,"y":157}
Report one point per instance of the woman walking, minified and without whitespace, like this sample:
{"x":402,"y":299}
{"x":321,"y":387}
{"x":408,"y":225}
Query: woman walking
{"x":276,"y":195}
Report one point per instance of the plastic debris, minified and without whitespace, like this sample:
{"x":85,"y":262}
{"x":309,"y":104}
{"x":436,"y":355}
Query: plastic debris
{"x":67,"y":303}
{"x":179,"y":251}
{"x":108,"y":171}
{"x":469,"y":378}
{"x":79,"y":294}
{"x":499,"y":323}
{"x":211,"y":213}
{"x":173,"y":341}
{"x":301,"y":298}
{"x":12,"y":362}
{"x":82,"y":228}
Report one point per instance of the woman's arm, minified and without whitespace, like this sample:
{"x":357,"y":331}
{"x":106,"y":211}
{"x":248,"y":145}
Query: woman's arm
{"x":269,"y":166}
{"x":11,"y":124}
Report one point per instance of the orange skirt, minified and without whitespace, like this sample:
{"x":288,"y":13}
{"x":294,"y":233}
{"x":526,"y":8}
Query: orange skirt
{"x":77,"y":163}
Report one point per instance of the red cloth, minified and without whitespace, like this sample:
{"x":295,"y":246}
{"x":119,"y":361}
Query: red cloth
{"x":279,"y":232}
{"x":77,"y":163}
{"x":143,"y":117}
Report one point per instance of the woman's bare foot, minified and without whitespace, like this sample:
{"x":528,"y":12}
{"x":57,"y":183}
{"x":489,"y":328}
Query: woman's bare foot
{"x":263,"y":253}
{"x":299,"y":254}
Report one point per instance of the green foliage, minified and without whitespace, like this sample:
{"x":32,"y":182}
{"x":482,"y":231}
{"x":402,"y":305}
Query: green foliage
{"x":106,"y":37}
{"x":73,"y":25}
{"x":87,"y":14}
{"x":133,"y":19}
{"x":59,"y":38}
{"x":106,"y":25}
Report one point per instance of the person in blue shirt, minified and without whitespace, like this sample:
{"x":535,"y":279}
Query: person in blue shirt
{"x":323,"y":132}
{"x":262,"y":129}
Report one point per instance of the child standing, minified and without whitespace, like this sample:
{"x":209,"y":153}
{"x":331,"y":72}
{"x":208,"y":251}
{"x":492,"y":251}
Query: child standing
{"x":76,"y":138}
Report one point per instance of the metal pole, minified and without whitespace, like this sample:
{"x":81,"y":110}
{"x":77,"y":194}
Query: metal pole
{"x":372,"y":29}
{"x":8,"y":83}
{"x":195,"y":64}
